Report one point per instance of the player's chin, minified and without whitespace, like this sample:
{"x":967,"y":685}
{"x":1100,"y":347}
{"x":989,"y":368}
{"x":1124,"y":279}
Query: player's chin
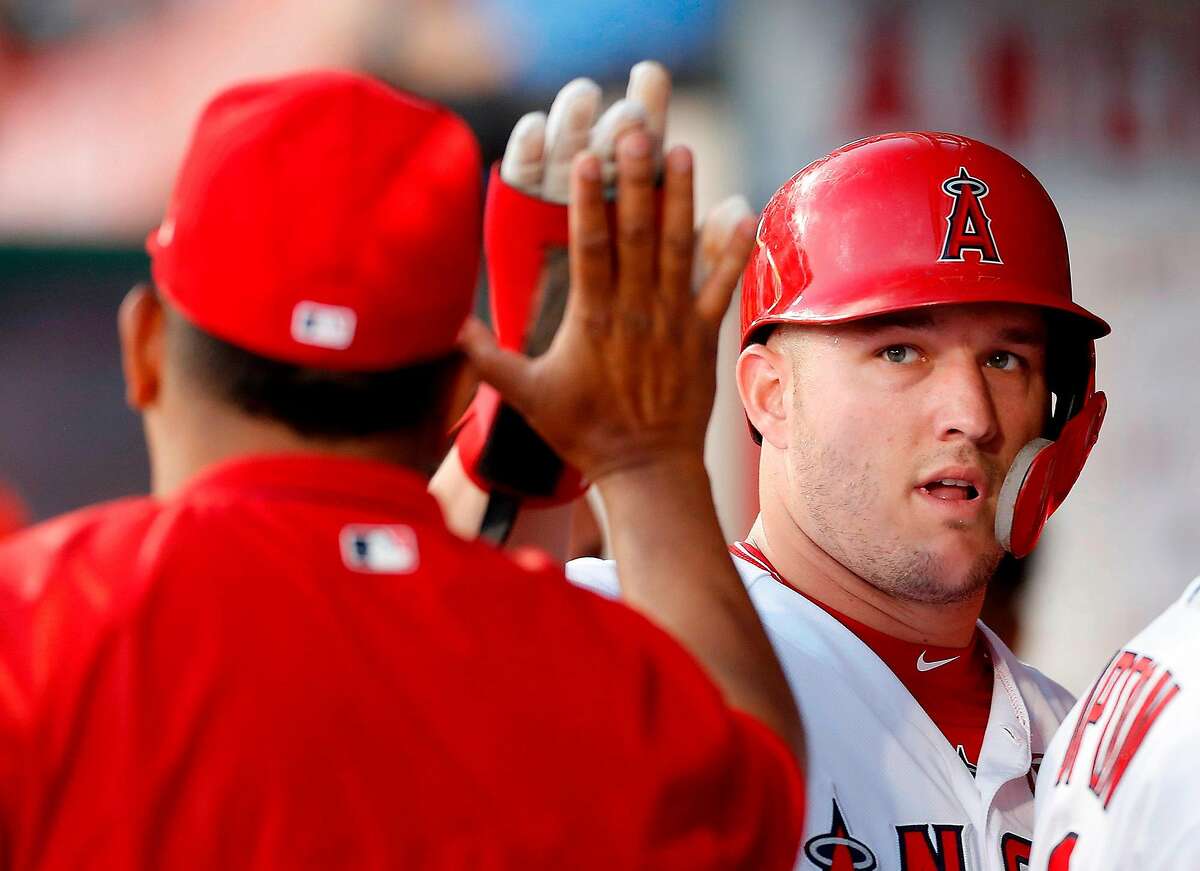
{"x":966,"y":562}
{"x":945,"y":583}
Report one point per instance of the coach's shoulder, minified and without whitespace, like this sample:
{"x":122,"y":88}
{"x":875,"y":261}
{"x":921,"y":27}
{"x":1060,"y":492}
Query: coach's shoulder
{"x":60,"y":586}
{"x":34,"y":559}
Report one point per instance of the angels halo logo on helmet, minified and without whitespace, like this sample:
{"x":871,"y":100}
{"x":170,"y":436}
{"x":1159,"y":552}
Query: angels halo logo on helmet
{"x":867,"y":231}
{"x":968,"y":227}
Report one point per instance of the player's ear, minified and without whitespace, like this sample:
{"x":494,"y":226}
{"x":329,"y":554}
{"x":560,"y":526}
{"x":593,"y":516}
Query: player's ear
{"x":762,"y":384}
{"x":141,"y":324}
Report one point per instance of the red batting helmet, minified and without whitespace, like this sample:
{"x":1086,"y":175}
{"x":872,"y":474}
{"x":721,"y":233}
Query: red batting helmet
{"x":908,"y":220}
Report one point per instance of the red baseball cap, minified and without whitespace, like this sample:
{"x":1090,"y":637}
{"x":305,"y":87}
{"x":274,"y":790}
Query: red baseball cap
{"x":326,"y":220}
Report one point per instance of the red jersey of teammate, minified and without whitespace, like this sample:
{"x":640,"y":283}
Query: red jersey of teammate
{"x":293,"y":663}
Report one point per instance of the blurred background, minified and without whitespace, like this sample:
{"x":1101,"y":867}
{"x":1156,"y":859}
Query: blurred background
{"x":1101,"y":99}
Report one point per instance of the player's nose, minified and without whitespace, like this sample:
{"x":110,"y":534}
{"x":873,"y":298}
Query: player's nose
{"x":963,"y":403}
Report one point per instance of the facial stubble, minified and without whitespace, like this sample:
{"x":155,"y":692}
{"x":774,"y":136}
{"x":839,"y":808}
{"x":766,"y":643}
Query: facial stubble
{"x":839,"y":493}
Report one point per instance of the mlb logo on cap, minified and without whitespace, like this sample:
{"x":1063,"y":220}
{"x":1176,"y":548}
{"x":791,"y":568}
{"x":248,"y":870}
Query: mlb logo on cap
{"x":385,"y":549}
{"x":325,"y":326}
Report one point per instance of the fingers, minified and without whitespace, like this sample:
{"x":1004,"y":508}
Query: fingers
{"x":524,"y":160}
{"x":677,"y":240}
{"x":568,"y":127}
{"x":589,"y":247}
{"x":509,"y":372}
{"x":650,"y":87}
{"x":623,"y":116}
{"x":636,"y":222}
{"x":716,"y":232}
{"x":712,"y":301}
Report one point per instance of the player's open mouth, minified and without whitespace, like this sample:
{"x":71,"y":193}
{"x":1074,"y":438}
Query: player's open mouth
{"x":951,"y":490}
{"x":953,"y":485}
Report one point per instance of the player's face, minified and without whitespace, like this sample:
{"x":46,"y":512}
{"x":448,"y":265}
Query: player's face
{"x":901,"y":430}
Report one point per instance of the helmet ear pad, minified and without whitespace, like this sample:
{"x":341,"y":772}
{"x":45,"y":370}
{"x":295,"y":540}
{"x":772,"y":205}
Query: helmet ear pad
{"x":1045,"y":470}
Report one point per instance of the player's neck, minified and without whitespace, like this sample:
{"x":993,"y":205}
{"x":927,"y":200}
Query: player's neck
{"x":182,"y":449}
{"x":810,"y":570}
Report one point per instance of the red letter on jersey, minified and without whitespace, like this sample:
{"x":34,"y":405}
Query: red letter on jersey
{"x":1091,"y":711}
{"x":941,"y":851}
{"x":1060,"y":859}
{"x":1015,"y":850}
{"x":1117,"y":760}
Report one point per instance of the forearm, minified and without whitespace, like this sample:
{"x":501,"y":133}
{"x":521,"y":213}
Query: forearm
{"x":675,"y":569}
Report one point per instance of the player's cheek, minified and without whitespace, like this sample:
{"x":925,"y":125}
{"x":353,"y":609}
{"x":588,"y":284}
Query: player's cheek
{"x":1022,"y":407}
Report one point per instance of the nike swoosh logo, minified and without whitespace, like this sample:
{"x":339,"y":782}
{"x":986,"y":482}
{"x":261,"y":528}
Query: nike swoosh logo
{"x":924,"y":665}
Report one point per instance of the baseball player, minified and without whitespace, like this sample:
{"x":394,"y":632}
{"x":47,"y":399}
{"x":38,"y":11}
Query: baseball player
{"x":1118,"y":786}
{"x":284,"y":659}
{"x":922,"y":386}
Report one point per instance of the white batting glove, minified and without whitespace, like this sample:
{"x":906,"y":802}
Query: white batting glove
{"x":541,"y":147}
{"x":715,"y":234}
{"x":537,"y":160}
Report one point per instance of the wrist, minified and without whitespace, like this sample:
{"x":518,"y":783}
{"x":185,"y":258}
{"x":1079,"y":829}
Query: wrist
{"x":655,"y":478}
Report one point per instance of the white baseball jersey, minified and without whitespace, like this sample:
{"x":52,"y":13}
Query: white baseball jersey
{"x":1120,"y":787}
{"x":885,"y":788}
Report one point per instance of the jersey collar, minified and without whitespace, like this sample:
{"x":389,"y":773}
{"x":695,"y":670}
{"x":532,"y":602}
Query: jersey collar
{"x":909,"y":659}
{"x":1007,"y":743}
{"x":318,"y":477}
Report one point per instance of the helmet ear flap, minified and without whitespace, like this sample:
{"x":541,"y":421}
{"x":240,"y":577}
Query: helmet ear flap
{"x":1042,"y":475}
{"x":1070,"y":375}
{"x":1023,"y":485}
{"x":1044,"y":471}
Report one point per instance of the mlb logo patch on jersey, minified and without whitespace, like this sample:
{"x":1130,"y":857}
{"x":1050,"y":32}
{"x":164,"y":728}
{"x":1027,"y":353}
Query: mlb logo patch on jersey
{"x":325,"y":326}
{"x":384,"y":549}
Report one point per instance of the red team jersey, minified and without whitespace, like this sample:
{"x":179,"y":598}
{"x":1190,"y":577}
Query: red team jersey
{"x":292,"y":663}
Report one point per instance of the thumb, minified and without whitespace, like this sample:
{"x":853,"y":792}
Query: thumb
{"x":509,"y":372}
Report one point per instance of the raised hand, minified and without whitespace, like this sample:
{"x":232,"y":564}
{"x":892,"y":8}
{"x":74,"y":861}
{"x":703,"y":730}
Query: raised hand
{"x":630,"y":376}
{"x":624,"y":393}
{"x":527,"y":306}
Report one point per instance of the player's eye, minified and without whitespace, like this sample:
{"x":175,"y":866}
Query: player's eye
{"x":904,"y":354}
{"x":1005,"y":360}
